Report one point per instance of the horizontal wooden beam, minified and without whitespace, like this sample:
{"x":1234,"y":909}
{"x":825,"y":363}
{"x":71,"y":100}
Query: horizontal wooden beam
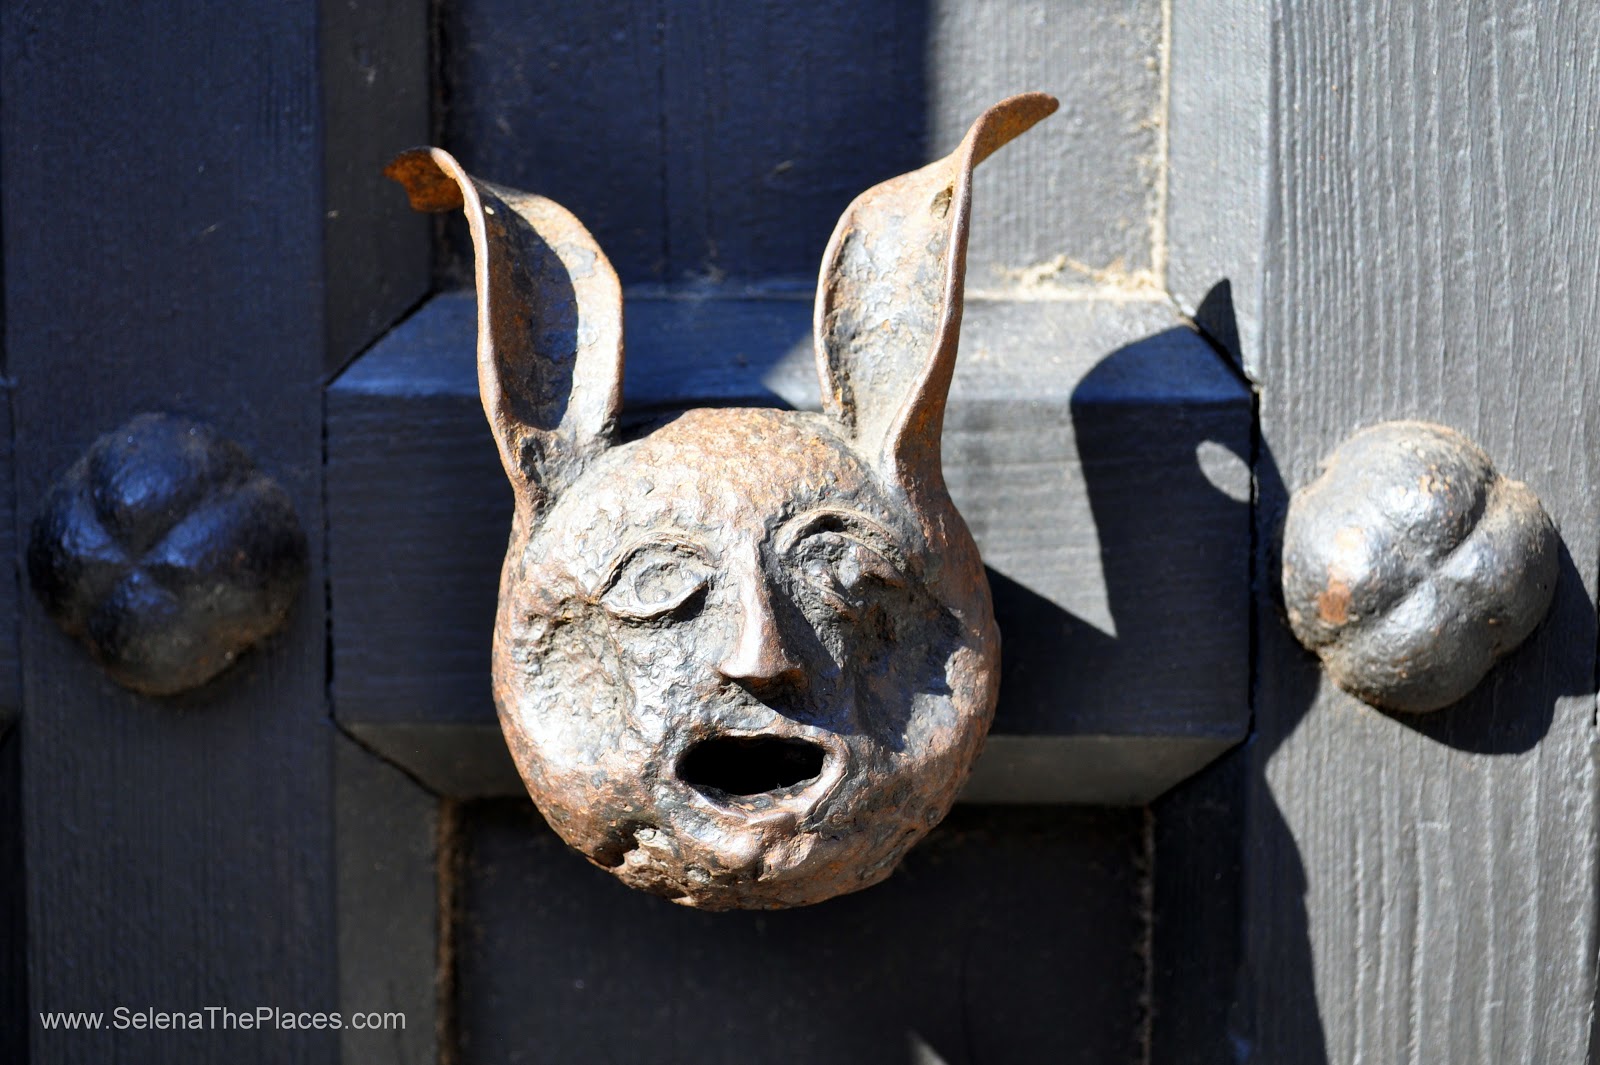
{"x":1097,"y":448}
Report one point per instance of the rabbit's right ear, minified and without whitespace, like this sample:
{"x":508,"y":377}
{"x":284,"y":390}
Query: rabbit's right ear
{"x":888,"y":311}
{"x":549,"y":322}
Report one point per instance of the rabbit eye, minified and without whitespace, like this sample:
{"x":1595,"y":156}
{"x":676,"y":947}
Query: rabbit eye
{"x":655,"y":580}
{"x":845,"y":569}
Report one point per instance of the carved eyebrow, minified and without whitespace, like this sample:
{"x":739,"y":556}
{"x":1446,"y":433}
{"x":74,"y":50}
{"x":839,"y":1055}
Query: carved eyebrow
{"x":837,"y":519}
{"x":660,"y":538}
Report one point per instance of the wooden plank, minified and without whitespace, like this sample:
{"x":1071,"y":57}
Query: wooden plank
{"x":702,"y":141}
{"x":470,"y":760}
{"x":565,"y":106}
{"x":1010,"y":936}
{"x":1077,"y":203}
{"x":774,"y":123}
{"x":1094,"y":447}
{"x":14,"y":1020}
{"x":387,"y":833}
{"x":1087,"y":770}
{"x":10,"y":590}
{"x":1219,"y":166}
{"x":162,"y":189}
{"x":1219,"y":170}
{"x":1425,"y":889}
{"x":375,"y":102}
{"x":1197,"y":918}
{"x":14,"y":1023}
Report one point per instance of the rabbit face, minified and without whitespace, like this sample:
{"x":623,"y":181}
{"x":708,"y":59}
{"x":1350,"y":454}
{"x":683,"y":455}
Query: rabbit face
{"x":748,"y":659}
{"x":728,"y":666}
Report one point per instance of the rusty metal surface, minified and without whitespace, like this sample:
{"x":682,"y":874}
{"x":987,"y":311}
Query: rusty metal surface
{"x":747,"y":660}
{"x":166,"y":553}
{"x":1410,"y":565}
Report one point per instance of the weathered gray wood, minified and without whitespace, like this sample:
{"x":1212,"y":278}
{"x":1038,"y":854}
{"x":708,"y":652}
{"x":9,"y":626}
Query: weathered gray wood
{"x":375,"y":102}
{"x":711,"y":139}
{"x":748,"y":194}
{"x":1197,"y":918}
{"x":1067,"y":417}
{"x":162,"y":183}
{"x":10,"y":590}
{"x":1219,"y":168}
{"x":470,"y":760}
{"x":1425,"y":889}
{"x":566,"y":104}
{"x":1087,"y":770}
{"x":386,"y":831}
{"x":1007,"y":936}
{"x":459,"y":760}
{"x":1077,"y":203}
{"x":14,"y":1022}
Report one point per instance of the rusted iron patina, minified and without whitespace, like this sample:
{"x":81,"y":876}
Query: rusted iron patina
{"x":167,"y":553}
{"x":1410,"y":565}
{"x":745,"y":660}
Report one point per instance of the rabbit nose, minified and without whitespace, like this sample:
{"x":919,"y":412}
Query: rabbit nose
{"x":759,"y":658}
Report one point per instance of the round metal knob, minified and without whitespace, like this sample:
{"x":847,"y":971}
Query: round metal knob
{"x":167,"y":553}
{"x":1410,"y":565}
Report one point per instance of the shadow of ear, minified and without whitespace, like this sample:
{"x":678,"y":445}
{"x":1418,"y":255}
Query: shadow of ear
{"x":1216,"y":320}
{"x":1163,"y":432}
{"x":1048,"y":660}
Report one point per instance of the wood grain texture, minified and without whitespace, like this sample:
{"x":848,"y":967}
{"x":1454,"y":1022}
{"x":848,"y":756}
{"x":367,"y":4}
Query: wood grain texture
{"x":1424,"y":889}
{"x":701,"y":140}
{"x":567,"y":107}
{"x":10,"y":578}
{"x":1006,"y":936}
{"x":773,"y":123}
{"x":14,"y":1023}
{"x":1197,"y":917}
{"x":375,"y":103}
{"x":469,"y":760}
{"x":1095,"y":449}
{"x":1219,"y":169}
{"x":162,"y":190}
{"x":387,"y":830}
{"x":1077,"y":202}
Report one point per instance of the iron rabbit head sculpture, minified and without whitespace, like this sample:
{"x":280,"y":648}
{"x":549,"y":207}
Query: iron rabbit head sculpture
{"x":746,"y":660}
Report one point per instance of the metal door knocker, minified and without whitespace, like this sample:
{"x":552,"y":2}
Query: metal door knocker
{"x":745,"y":660}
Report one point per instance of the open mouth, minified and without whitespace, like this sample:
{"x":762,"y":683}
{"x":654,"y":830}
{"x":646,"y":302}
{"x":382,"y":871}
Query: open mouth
{"x":747,"y":766}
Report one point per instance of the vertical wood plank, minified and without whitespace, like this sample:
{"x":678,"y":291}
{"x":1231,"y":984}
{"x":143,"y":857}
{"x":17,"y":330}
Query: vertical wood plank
{"x":1076,"y":203}
{"x":563,"y":100}
{"x":10,"y":577}
{"x":14,"y":1022}
{"x":387,"y":829}
{"x":774,"y":122}
{"x":162,"y":190}
{"x":1219,"y":169}
{"x":13,"y":884}
{"x":1425,"y":889}
{"x":709,"y":140}
{"x":376,"y":82}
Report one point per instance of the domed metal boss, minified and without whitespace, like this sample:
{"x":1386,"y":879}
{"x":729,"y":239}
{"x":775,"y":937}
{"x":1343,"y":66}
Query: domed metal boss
{"x":1410,"y":565}
{"x":166,"y":553}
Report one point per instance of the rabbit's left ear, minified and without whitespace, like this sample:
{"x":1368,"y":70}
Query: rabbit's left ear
{"x":888,"y":312}
{"x":549,"y":323}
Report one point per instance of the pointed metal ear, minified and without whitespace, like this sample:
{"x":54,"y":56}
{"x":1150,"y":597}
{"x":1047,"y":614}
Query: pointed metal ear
{"x":888,"y":312}
{"x":549,"y":321}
